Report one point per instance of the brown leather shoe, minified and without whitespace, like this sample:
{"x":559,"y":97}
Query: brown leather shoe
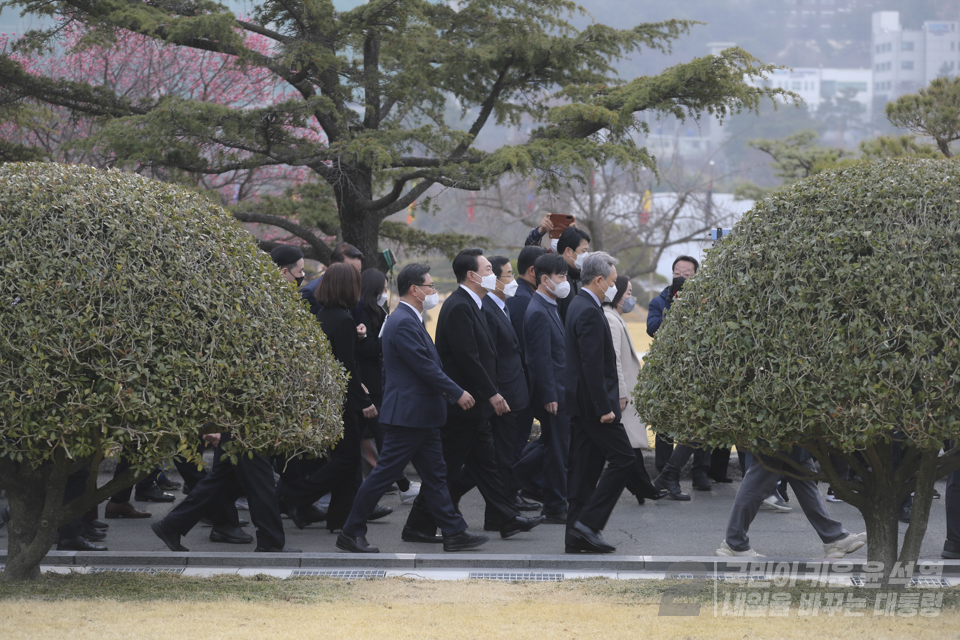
{"x":124,"y":510}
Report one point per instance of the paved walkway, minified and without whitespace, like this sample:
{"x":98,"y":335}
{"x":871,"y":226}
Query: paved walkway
{"x":664,"y":528}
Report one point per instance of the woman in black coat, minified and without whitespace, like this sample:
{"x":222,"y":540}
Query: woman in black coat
{"x":373,"y":295}
{"x":338,"y":293}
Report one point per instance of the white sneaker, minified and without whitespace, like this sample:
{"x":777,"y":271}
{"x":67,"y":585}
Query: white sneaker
{"x":774,"y":503}
{"x":848,"y":544}
{"x":725,"y":550}
{"x":408,"y":496}
{"x":831,"y":497}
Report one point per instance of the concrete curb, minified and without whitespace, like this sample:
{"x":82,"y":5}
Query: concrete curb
{"x":702,"y":565}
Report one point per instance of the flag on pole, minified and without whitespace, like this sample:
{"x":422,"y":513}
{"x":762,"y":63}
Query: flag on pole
{"x":645,"y":207}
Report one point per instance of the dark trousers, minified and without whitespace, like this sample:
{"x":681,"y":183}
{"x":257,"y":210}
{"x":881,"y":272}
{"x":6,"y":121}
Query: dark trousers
{"x":339,"y":477}
{"x":639,"y":483}
{"x":402,"y":445}
{"x":124,"y":494}
{"x":719,"y":463}
{"x":682,"y":453}
{"x":593,"y":492}
{"x":224,"y":511}
{"x":952,"y":505}
{"x":664,"y":449}
{"x":255,"y":476}
{"x":504,"y":431}
{"x":76,"y":486}
{"x":549,"y":455}
{"x":469,"y":442}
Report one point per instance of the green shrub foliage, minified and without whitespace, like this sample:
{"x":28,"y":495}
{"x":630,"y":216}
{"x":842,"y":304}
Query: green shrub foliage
{"x":832,"y":313}
{"x":137,"y":314}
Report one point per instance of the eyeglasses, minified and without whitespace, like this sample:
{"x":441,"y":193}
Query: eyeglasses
{"x":422,"y":286}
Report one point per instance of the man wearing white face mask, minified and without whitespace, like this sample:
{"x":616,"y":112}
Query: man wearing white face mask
{"x":573,"y":244}
{"x":546,"y":361}
{"x":468,"y":352}
{"x":511,"y":379}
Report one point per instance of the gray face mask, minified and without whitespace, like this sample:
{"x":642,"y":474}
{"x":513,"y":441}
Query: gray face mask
{"x":628,"y":304}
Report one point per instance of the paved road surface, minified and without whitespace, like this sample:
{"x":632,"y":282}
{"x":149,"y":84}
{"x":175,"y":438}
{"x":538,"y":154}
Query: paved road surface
{"x":664,"y":528}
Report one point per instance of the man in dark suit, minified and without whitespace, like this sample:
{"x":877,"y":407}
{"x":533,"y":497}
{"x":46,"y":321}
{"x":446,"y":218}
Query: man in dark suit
{"x":546,"y":361}
{"x":416,"y":393}
{"x":253,"y":473}
{"x":593,"y":396}
{"x":468,"y":352}
{"x":517,"y":306}
{"x":511,"y":380}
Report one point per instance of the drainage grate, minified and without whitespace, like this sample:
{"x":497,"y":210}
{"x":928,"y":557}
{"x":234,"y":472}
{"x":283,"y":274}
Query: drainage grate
{"x":348,"y":574}
{"x":928,"y":582}
{"x":741,"y":577}
{"x":517,"y":577}
{"x":858,"y":581}
{"x":150,"y":570}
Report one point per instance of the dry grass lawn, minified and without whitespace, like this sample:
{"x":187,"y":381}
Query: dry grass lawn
{"x":422,"y":610}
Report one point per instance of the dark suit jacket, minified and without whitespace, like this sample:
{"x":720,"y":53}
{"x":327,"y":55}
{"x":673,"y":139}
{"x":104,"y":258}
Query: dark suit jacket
{"x":468,"y":352}
{"x":511,"y":380}
{"x":546,"y":352}
{"x":341,"y":330}
{"x":370,"y":357}
{"x":416,"y":391}
{"x":593,"y":389}
{"x":518,"y":307}
{"x":573,"y":277}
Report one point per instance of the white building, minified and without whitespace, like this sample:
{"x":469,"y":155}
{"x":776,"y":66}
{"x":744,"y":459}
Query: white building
{"x":815,"y":85}
{"x":905,"y":61}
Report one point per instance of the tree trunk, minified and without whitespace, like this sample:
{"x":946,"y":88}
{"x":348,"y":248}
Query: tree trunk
{"x":883,"y":531}
{"x":33,"y":520}
{"x":360,"y":227}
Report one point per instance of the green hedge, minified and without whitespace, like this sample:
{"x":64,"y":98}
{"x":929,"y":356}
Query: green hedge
{"x":133,"y":312}
{"x":832,"y":312}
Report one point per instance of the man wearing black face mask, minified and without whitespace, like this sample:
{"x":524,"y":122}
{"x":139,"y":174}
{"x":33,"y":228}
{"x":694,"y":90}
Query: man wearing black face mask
{"x":669,"y":461}
{"x":290,"y":261}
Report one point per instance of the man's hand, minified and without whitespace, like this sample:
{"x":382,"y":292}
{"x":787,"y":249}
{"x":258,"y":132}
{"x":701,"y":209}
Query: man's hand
{"x":212,"y":439}
{"x":608,"y":418}
{"x":370,"y":412}
{"x":546,"y":225}
{"x":361,"y":331}
{"x":623,"y":403}
{"x":466,"y":401}
{"x":551,"y":408}
{"x":499,"y":405}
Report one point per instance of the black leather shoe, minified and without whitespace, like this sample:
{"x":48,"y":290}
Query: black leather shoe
{"x":94,"y":535}
{"x":582,"y":539}
{"x":207,"y":522}
{"x":412,"y":535}
{"x":379,"y":511}
{"x":79,"y":544}
{"x":153,"y":494}
{"x":906,"y":512}
{"x":518,"y":524}
{"x":168,"y":485}
{"x":169,"y":537}
{"x":951,"y":550}
{"x":560,"y":517}
{"x":96,"y":524}
{"x":355,"y":545}
{"x":532,"y":493}
{"x":701,"y":483}
{"x":672,"y":487}
{"x":720,"y":479}
{"x":276,"y":550}
{"x":230,"y":534}
{"x":524,"y":505}
{"x":463,"y":541}
{"x":313,"y":513}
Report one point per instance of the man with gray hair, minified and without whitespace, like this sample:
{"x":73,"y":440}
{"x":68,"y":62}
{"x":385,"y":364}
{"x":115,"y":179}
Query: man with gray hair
{"x":597,"y":435}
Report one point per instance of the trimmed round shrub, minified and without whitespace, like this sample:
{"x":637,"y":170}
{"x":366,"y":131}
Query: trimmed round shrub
{"x":136,"y":314}
{"x":831,"y":314}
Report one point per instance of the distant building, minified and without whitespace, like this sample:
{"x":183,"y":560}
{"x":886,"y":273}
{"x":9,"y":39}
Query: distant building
{"x":817,"y":85}
{"x":906,"y":61}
